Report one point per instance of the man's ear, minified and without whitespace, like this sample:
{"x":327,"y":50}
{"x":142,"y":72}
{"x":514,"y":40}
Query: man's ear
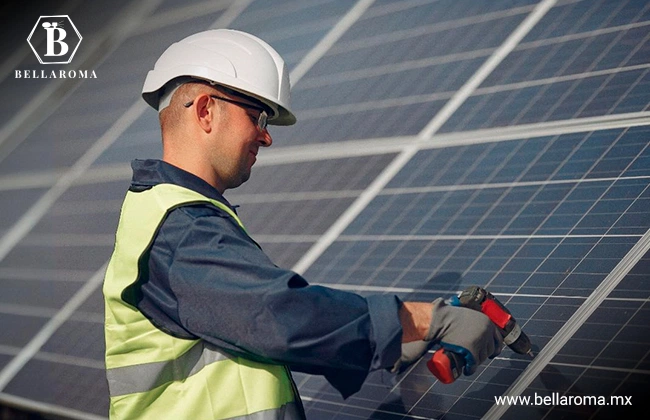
{"x":204,"y":110}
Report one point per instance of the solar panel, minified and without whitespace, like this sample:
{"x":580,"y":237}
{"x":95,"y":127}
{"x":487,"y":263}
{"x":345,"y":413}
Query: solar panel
{"x":440,"y":144}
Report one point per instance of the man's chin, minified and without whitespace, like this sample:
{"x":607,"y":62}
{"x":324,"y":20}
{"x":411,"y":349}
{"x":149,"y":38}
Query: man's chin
{"x":242,"y":179}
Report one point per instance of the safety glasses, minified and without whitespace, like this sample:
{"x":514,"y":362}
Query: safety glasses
{"x":262,"y":119}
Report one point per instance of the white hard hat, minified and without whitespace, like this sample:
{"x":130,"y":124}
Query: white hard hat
{"x":237,"y":60}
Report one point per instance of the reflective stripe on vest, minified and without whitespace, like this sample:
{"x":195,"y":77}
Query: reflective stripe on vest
{"x":152,"y":374}
{"x":147,"y":376}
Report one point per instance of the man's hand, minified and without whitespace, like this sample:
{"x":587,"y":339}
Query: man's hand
{"x":415,"y":318}
{"x":411,"y":353}
{"x":464,"y":331}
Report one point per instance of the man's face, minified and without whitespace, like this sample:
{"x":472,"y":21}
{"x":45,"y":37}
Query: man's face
{"x":234,"y":156}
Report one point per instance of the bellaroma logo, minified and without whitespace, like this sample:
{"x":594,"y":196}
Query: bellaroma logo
{"x":60,"y":35}
{"x":54,"y":40}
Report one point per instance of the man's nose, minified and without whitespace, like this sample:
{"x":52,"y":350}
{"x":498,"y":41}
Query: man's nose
{"x":265,"y":138}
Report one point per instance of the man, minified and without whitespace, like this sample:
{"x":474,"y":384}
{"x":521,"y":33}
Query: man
{"x":200,"y":324}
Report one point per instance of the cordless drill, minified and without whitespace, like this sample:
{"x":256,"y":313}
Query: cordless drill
{"x":447,"y":365}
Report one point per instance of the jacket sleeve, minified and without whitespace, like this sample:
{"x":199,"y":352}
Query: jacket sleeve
{"x":210,"y":280}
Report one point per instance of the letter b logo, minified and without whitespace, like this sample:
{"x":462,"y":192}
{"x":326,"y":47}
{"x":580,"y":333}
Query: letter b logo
{"x":55,"y":34}
{"x":54,"y":39}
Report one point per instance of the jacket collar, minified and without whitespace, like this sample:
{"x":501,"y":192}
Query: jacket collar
{"x":150,"y":172}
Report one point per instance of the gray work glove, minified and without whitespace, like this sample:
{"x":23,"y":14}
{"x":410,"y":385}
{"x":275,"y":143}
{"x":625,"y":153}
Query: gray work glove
{"x":466,"y":332}
{"x":411,"y":353}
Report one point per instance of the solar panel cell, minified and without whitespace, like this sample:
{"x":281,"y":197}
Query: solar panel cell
{"x":78,"y":339}
{"x":46,"y":293}
{"x":23,"y":328}
{"x":64,"y":385}
{"x":311,"y":217}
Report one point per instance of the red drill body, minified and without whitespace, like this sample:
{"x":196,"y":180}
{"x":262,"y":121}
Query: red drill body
{"x":448,"y":366}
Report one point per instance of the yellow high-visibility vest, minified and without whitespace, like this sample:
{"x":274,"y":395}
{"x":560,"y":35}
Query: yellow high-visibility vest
{"x":153,"y":375}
